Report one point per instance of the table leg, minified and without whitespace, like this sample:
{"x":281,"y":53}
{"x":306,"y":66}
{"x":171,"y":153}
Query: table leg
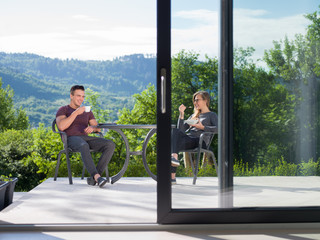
{"x":126,"y":162}
{"x":144,"y":153}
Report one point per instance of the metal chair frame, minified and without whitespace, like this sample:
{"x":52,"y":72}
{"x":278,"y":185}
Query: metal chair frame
{"x":198,"y":151}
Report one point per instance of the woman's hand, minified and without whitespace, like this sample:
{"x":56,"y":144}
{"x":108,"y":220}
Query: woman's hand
{"x":198,"y":125}
{"x":182,"y":108}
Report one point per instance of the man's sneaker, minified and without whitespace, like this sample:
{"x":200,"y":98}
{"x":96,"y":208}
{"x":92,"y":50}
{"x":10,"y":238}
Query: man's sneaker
{"x":91,"y":181}
{"x":174,"y":162}
{"x":173,"y":181}
{"x":102,"y":181}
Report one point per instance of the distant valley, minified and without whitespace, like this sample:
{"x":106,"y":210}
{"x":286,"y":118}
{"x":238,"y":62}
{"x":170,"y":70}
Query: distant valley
{"x":41,"y":85}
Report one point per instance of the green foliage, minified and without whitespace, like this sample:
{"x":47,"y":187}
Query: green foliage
{"x":279,"y":167}
{"x":92,"y":99}
{"x":296,"y":64}
{"x":15,"y":145}
{"x":9,"y":117}
{"x":143,"y":112}
{"x":190,"y":75}
{"x":242,"y":169}
{"x":309,"y":168}
{"x":207,"y":171}
{"x":285,"y":169}
{"x":263,"y":111}
{"x":31,"y":156}
{"x":45,"y":148}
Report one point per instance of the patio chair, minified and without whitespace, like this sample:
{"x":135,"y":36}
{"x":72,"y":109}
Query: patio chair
{"x":198,"y":151}
{"x":67,"y":151}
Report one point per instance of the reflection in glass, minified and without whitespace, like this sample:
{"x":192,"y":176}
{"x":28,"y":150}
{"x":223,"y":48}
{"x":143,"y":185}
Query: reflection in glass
{"x":276,"y":117}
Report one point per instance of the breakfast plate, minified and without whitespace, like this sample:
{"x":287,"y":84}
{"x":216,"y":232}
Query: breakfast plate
{"x":191,"y":121}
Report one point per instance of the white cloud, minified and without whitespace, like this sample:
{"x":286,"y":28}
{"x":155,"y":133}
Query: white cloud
{"x":198,"y":15}
{"x":253,"y":28}
{"x":202,"y":37}
{"x":89,"y":40}
{"x":85,"y":44}
{"x":85,"y":18}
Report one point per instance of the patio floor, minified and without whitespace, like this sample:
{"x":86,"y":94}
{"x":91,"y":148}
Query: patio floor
{"x":133,"y":200}
{"x":127,"y":209}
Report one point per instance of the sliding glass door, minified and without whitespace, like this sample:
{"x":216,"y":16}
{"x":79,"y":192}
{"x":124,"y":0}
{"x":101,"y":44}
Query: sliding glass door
{"x":264,"y":92}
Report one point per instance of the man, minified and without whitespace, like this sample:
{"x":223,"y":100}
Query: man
{"x":77,"y":123}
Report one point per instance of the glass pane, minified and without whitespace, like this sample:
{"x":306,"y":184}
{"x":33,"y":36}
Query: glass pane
{"x":276,"y":103}
{"x":194,"y":68}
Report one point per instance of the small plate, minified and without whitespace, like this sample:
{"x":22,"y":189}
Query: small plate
{"x":191,"y":121}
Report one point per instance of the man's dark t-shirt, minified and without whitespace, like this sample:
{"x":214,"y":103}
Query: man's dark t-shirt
{"x":79,"y":124}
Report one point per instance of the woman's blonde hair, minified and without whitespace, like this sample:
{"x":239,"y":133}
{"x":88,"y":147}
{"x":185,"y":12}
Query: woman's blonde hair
{"x":205,"y":96}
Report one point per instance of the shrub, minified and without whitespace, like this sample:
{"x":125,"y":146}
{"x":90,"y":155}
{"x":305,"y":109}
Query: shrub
{"x":15,"y":145}
{"x":309,"y":168}
{"x":285,"y":169}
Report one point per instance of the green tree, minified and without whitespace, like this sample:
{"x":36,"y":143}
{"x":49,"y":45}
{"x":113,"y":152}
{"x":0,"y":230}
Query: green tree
{"x":92,"y":99}
{"x":190,"y":75}
{"x":9,"y":117}
{"x":296,"y":63}
{"x":263,"y":112}
{"x":15,"y":146}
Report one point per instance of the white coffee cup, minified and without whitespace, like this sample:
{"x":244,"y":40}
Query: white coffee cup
{"x":87,"y":108}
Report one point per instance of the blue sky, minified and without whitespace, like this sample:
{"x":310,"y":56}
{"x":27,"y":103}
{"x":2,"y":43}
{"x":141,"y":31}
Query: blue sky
{"x":105,"y":29}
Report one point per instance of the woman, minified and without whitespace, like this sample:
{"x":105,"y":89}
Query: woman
{"x":187,"y":134}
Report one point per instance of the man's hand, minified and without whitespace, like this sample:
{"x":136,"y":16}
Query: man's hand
{"x":79,"y":110}
{"x":89,"y":130}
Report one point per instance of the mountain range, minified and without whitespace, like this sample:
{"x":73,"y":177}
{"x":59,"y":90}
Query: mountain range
{"x":41,"y":84}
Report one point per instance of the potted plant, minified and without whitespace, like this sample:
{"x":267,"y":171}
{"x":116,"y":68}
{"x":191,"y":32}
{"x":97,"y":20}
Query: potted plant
{"x":7,"y":187}
{"x":3,"y":189}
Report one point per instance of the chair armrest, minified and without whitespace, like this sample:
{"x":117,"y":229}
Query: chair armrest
{"x":100,"y":134}
{"x":63,"y":135}
{"x":64,"y":138}
{"x":203,"y":136}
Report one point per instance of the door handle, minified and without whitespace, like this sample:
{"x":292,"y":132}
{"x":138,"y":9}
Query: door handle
{"x":163,"y":77}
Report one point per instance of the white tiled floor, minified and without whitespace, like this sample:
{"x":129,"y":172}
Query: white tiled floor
{"x":127,"y":209}
{"x":184,"y":232}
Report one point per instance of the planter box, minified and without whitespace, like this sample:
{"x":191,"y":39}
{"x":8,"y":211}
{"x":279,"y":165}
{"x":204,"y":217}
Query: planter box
{"x":3,"y":189}
{"x":8,"y":189}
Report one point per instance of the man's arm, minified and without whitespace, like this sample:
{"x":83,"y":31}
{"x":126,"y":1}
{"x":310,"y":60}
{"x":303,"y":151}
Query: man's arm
{"x":63,"y":122}
{"x":91,"y":128}
{"x":93,"y":122}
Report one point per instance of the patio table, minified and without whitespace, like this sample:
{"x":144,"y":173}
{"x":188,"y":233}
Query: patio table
{"x":118,"y":128}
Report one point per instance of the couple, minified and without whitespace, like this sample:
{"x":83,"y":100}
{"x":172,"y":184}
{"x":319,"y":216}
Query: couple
{"x":77,"y":123}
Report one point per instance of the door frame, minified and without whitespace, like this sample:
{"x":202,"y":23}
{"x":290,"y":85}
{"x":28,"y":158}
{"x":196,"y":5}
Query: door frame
{"x":225,"y":213}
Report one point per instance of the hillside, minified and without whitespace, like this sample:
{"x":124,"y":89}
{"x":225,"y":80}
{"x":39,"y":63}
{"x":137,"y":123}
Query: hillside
{"x":42,"y":84}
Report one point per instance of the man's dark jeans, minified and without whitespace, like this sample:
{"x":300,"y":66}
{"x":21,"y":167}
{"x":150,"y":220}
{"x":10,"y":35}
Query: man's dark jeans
{"x":84,"y":143}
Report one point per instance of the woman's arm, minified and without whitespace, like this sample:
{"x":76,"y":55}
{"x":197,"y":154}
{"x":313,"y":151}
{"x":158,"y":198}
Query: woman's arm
{"x":213,"y":127}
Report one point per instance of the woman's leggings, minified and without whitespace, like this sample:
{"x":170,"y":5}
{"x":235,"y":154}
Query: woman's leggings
{"x":181,"y":141}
